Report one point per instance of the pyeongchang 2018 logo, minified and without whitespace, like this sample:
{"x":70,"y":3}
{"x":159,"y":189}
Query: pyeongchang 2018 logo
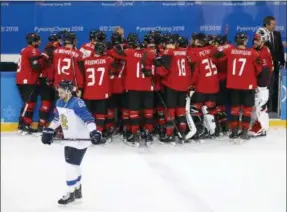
{"x":118,"y":4}
{"x":254,"y":28}
{"x":53,"y":29}
{"x":55,"y":4}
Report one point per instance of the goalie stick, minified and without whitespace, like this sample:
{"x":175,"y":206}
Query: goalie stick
{"x":189,"y":119}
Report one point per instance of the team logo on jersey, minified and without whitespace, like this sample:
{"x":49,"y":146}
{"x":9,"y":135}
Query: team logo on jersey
{"x":64,"y":122}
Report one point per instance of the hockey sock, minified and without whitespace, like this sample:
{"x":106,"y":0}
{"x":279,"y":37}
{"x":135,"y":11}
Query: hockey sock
{"x":72,"y":176}
{"x":44,"y":112}
{"x":134,"y":121}
{"x":246,"y":117}
{"x":110,"y":120}
{"x":28,"y":113}
{"x":148,"y":120}
{"x":160,"y":116}
{"x":180,"y":115}
{"x":169,"y":117}
{"x":100,"y":121}
{"x":235,"y":110}
{"x":125,"y":118}
{"x":78,"y":184}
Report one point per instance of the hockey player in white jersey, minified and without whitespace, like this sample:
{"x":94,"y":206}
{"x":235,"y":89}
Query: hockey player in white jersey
{"x":79,"y":130}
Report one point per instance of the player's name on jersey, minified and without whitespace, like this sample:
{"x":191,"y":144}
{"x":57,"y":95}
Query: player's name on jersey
{"x":204,"y":52}
{"x":179,"y":53}
{"x":240,"y":52}
{"x":69,"y":52}
{"x":95,"y":62}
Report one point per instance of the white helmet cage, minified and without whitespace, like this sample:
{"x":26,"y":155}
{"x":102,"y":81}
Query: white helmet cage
{"x":264,"y":34}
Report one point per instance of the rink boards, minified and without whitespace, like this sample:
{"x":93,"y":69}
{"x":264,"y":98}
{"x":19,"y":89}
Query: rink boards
{"x":11,"y":103}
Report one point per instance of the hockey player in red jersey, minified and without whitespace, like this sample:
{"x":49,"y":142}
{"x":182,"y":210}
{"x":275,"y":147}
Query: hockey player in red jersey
{"x":140,"y":89}
{"x":223,"y":96}
{"x":47,"y":92}
{"x":150,"y":53}
{"x":98,"y":68}
{"x":205,"y":82}
{"x":117,"y":102}
{"x":68,"y":63}
{"x":29,"y":69}
{"x":176,"y":79}
{"x":260,"y":116}
{"x":95,"y":36}
{"x":243,"y":67}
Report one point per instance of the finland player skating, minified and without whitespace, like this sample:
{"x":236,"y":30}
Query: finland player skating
{"x":77,"y":124}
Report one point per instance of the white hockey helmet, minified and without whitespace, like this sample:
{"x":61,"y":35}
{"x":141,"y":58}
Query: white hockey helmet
{"x":264,"y":34}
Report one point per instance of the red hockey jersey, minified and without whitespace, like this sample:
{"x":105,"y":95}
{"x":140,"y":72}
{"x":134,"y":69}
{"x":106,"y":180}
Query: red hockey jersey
{"x":87,"y":49}
{"x":134,"y":78}
{"x":205,"y":76}
{"x":25,"y":73}
{"x":117,"y":80}
{"x":66,"y":66}
{"x":243,"y":66}
{"x":176,"y":74}
{"x":97,"y":77}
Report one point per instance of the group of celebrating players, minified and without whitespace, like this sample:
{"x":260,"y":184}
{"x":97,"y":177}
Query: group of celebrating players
{"x":140,"y":89}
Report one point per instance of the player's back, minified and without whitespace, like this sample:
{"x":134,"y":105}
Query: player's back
{"x":97,"y":77}
{"x":25,"y":74}
{"x":205,"y":76}
{"x":179,"y":75}
{"x":117,"y":80}
{"x":134,"y":77}
{"x":65,"y":65}
{"x":69,"y":116}
{"x":243,"y":66}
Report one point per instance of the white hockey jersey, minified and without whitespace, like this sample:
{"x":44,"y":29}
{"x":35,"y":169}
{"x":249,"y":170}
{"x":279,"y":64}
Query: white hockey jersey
{"x":76,"y":122}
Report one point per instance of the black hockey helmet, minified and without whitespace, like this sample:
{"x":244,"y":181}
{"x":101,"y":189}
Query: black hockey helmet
{"x":116,"y":38}
{"x":66,"y":85}
{"x":221,"y":39}
{"x":69,"y":38}
{"x":133,"y":40}
{"x":201,"y":39}
{"x":240,"y":38}
{"x":100,"y":48}
{"x":149,"y":38}
{"x":54,"y":37}
{"x":169,"y":39}
{"x":98,"y":35}
{"x":182,"y":42}
{"x":32,"y":37}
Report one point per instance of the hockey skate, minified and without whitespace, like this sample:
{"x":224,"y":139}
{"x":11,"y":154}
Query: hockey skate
{"x":168,"y":139}
{"x":133,"y":140}
{"x":233,"y":137}
{"x":27,"y":130}
{"x":244,"y":134}
{"x":78,"y":193}
{"x":68,"y":198}
{"x":147,"y":137}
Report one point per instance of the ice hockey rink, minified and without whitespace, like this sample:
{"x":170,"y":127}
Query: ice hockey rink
{"x":211,"y":177}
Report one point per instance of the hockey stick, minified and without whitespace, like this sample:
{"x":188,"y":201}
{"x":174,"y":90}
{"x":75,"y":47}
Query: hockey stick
{"x":189,"y":119}
{"x":71,"y":139}
{"x":173,"y":122}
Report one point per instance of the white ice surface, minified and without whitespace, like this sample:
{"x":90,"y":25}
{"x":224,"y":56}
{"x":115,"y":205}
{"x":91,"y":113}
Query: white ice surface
{"x":210,"y":177}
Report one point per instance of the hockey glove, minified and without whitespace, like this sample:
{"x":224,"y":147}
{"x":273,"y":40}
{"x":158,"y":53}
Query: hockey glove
{"x":146,"y":72}
{"x":96,"y":137}
{"x":47,"y":136}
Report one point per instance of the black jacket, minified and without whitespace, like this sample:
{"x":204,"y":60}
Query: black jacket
{"x":277,"y":50}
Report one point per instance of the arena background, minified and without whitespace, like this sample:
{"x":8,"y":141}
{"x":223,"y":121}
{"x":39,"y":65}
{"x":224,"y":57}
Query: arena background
{"x":19,"y":18}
